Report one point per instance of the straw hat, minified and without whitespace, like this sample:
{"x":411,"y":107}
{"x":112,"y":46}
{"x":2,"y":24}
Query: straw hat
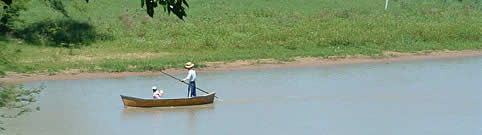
{"x":189,"y":65}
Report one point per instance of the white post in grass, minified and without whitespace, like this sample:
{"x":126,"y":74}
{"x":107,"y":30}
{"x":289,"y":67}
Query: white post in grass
{"x":386,"y":4}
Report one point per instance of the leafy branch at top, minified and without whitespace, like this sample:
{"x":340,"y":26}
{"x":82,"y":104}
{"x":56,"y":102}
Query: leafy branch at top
{"x":174,"y":6}
{"x":177,"y":7}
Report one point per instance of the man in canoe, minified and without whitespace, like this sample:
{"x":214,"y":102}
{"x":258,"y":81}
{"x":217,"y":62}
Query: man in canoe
{"x":190,"y":78}
{"x":157,"y":94}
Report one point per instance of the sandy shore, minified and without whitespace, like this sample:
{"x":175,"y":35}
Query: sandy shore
{"x":247,"y":65}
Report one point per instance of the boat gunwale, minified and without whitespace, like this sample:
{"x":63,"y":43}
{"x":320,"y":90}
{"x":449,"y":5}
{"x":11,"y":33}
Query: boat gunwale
{"x":204,"y":96}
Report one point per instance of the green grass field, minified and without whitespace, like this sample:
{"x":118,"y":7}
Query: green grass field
{"x":116,"y":36}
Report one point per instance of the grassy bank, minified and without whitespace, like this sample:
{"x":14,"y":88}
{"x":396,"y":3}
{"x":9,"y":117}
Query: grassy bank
{"x":115,"y":36}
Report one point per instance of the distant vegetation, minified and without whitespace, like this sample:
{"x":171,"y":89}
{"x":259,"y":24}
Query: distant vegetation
{"x":117,"y":35}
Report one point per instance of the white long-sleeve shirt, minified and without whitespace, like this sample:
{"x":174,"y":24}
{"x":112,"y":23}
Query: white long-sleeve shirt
{"x":191,"y":76}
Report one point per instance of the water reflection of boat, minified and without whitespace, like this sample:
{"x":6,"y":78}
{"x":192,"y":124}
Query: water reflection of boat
{"x":188,"y":115}
{"x":191,"y":111}
{"x":139,"y":102}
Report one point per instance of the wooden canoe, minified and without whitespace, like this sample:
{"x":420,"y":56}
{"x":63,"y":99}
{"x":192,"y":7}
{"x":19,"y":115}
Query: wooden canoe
{"x":139,"y":102}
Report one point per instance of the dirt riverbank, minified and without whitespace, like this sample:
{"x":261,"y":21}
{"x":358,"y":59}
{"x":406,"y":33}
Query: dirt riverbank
{"x":246,"y":65}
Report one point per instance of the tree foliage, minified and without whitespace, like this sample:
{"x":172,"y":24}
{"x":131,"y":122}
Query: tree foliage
{"x":17,"y":97}
{"x":174,"y":6}
{"x":12,"y":8}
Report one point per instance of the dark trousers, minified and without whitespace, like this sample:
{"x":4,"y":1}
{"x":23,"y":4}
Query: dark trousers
{"x":191,"y":90}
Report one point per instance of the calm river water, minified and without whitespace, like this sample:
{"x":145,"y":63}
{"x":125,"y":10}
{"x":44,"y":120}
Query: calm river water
{"x":432,"y":97}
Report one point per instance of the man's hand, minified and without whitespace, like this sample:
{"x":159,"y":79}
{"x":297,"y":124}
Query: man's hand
{"x":181,"y":80}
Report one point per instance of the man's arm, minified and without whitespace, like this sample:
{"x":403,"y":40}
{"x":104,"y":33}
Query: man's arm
{"x":187,"y":77}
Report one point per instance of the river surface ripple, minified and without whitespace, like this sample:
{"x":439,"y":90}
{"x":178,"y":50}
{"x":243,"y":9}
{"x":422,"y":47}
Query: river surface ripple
{"x":433,"y":97}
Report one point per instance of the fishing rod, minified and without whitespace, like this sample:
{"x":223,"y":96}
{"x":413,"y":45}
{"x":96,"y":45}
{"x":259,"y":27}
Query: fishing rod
{"x":186,"y":83}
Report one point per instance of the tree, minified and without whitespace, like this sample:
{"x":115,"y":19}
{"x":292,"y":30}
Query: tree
{"x":12,"y":8}
{"x":14,"y":97}
{"x":174,"y":6}
{"x":18,"y":98}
